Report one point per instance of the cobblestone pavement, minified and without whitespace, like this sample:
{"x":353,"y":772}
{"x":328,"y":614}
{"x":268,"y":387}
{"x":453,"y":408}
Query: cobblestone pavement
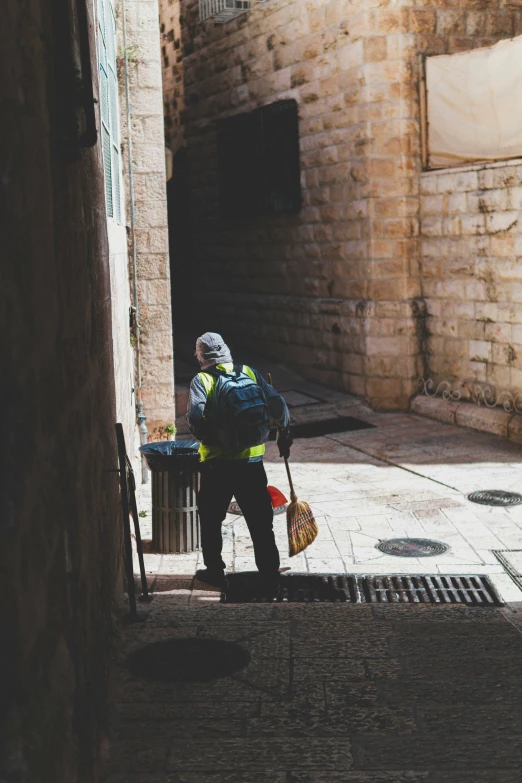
{"x":345,"y":693}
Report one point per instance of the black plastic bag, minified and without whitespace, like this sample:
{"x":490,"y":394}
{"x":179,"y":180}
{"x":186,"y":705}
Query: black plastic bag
{"x":171,"y":455}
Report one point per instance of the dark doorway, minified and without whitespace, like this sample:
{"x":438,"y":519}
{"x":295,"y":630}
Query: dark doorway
{"x":181,"y":277}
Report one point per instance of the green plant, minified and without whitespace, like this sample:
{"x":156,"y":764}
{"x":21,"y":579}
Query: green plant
{"x":142,"y":514}
{"x":170,"y":429}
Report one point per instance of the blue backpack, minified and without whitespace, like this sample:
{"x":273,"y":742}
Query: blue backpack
{"x":239,"y":412}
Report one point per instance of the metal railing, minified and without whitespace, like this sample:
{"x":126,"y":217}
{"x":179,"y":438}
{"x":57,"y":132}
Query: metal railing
{"x":221,"y":11}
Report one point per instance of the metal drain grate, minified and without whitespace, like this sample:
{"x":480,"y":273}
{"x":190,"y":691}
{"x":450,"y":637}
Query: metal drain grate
{"x":390,"y":589}
{"x":315,"y":429}
{"x":495,"y":497}
{"x":412,"y":547}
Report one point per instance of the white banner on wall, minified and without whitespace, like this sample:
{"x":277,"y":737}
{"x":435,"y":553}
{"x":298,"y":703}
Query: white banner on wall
{"x":474,"y":105}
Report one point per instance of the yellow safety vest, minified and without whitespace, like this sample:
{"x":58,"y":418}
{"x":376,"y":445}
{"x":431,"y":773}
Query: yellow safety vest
{"x":213,"y":452}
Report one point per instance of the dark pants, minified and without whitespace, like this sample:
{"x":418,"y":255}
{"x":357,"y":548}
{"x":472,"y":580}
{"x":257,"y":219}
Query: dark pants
{"x":246,"y":481}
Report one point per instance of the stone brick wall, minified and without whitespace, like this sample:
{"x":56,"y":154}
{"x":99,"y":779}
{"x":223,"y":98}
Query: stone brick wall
{"x":336,"y":289}
{"x":60,"y":543}
{"x":148,"y":147}
{"x":471,"y":232}
{"x":172,"y":63}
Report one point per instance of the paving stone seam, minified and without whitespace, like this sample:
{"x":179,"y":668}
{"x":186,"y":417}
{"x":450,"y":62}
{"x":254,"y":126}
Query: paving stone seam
{"x":392,"y":464}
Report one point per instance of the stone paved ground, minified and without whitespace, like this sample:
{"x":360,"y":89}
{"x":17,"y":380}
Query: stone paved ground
{"x":406,"y":476}
{"x":343,"y":693}
{"x":332,"y":694}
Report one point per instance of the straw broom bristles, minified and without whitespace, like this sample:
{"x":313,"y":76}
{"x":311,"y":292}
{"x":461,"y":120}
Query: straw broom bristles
{"x":301,"y":524}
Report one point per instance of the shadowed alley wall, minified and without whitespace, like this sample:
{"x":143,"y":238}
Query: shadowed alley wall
{"x":60,"y":516}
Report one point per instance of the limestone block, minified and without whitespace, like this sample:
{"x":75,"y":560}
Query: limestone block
{"x":499,"y":376}
{"x":431,"y":226}
{"x":149,"y":186}
{"x":476,"y":23}
{"x":515,"y":428}
{"x":466,"y":180}
{"x":389,"y":346}
{"x":392,"y":20}
{"x":516,"y":334}
{"x":514,"y":198}
{"x":492,"y":420}
{"x":457,"y":202}
{"x":502,"y":353}
{"x":423,"y":21}
{"x":157,"y":371}
{"x":149,"y":159}
{"x":375,"y":48}
{"x":158,"y":240}
{"x":159,"y":292}
{"x":430,"y":183}
{"x":480,"y":350}
{"x":153,"y":266}
{"x":500,"y":23}
{"x":502,"y":221}
{"x":472,"y":224}
{"x":157,"y":319}
{"x":498,"y":332}
{"x":165,"y":394}
{"x":451,"y":23}
{"x":435,"y":408}
{"x":446,"y":183}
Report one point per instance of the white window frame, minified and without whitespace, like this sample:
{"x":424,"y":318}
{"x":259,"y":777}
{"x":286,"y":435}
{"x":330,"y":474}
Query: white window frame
{"x":109,"y":110}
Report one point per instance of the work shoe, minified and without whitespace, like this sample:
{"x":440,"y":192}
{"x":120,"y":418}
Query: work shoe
{"x":211,"y":576}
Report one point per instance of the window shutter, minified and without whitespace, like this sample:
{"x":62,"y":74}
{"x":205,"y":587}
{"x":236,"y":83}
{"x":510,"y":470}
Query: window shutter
{"x":109,"y":108}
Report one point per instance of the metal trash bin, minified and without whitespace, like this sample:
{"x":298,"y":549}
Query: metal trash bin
{"x":175,"y":481}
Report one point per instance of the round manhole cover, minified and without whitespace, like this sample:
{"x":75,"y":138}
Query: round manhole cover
{"x":495,"y":497}
{"x":188,"y":660}
{"x":412,"y":547}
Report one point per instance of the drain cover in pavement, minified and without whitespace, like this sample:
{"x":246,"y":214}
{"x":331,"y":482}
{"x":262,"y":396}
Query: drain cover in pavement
{"x":412,"y":547}
{"x":495,"y":497}
{"x":188,"y":660}
{"x":334,"y":588}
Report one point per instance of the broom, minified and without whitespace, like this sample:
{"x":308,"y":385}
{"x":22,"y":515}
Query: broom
{"x":302,"y":527}
{"x":300,"y":521}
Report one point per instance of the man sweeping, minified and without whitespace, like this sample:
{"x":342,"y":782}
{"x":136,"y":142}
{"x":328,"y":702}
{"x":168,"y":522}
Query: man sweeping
{"x":229,"y":412}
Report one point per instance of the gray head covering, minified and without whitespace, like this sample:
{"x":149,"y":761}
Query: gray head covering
{"x":211,"y":349}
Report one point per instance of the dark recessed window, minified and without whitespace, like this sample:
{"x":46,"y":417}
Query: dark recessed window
{"x":258,"y":161}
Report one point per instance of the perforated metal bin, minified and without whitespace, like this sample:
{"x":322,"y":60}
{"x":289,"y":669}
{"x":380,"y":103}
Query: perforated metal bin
{"x":175,"y":482}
